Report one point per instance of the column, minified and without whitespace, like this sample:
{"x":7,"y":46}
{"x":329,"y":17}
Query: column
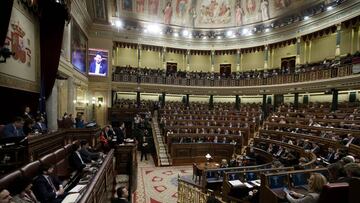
{"x":52,"y":108}
{"x":237,"y":102}
{"x":334,"y":103}
{"x":296,"y":100}
{"x":298,"y":49}
{"x":163,"y":57}
{"x":358,"y":39}
{"x":309,"y":51}
{"x":187,"y":59}
{"x":338,"y":40}
{"x":138,"y":98}
{"x":211,"y":102}
{"x":238,"y":52}
{"x":264,"y":108}
{"x":163,"y":99}
{"x":212,"y":60}
{"x":187,"y":99}
{"x":71,"y":96}
{"x":266,"y":56}
{"x":352,"y":44}
{"x":139,"y":55}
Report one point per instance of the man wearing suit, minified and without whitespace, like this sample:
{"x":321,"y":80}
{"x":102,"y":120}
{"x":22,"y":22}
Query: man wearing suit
{"x":14,"y":129}
{"x":40,"y":125}
{"x":98,"y":66}
{"x":76,"y":160}
{"x":47,"y":188}
{"x":122,"y":194}
{"x":86,"y":154}
{"x":120,"y":134}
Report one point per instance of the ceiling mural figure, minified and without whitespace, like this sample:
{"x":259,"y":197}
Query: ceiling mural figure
{"x":167,"y":13}
{"x":153,"y":6}
{"x":204,"y":13}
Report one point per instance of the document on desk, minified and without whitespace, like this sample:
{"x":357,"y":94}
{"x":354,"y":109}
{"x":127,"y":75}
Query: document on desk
{"x":235,"y":183}
{"x":256,"y":182}
{"x":77,"y":188}
{"x":248,"y":185}
{"x":71,"y":198}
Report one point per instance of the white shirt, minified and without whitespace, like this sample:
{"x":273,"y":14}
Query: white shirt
{"x":97,"y":68}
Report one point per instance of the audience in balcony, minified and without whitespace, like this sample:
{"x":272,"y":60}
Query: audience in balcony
{"x":40,"y":125}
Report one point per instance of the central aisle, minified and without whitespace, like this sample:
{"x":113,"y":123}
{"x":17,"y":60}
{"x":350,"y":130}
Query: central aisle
{"x":158,"y":184}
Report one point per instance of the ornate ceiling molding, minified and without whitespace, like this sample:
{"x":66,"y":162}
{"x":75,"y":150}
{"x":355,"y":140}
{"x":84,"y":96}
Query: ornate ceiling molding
{"x":80,"y":13}
{"x":343,"y":83}
{"x":343,"y":12}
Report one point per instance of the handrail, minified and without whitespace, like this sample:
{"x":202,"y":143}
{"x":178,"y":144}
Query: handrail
{"x":190,"y":192}
{"x":154,"y":120}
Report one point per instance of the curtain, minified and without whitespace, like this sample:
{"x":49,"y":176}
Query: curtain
{"x":5,"y":14}
{"x":52,"y":22}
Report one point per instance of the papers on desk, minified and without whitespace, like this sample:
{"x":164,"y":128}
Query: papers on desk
{"x":236,"y":183}
{"x":248,"y":185}
{"x":256,"y":182}
{"x":71,"y":198}
{"x":129,"y":140}
{"x":77,"y":188}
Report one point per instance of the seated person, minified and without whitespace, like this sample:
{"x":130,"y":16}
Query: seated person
{"x":122,"y":194}
{"x":76,"y":161}
{"x":79,"y":121}
{"x":40,"y":125}
{"x":48,"y":188}
{"x":25,"y":194}
{"x":224,"y":163}
{"x":14,"y":129}
{"x":316,"y":183}
{"x":28,"y":127}
{"x":5,"y":196}
{"x":85,"y":152}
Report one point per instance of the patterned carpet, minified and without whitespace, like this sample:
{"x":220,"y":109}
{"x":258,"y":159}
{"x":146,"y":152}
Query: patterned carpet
{"x":158,"y":184}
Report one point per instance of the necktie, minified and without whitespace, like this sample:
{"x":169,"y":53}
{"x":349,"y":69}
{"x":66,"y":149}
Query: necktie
{"x":82,"y":162}
{"x":51,"y":183}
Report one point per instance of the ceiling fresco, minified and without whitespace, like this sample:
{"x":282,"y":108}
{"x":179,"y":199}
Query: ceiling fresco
{"x":205,"y":13}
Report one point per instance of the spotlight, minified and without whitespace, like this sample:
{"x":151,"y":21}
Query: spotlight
{"x":329,"y":8}
{"x":245,"y":31}
{"x":229,"y":33}
{"x":267,"y":30}
{"x":176,"y":34}
{"x":185,"y":33}
{"x":306,"y":17}
{"x":118,"y":24}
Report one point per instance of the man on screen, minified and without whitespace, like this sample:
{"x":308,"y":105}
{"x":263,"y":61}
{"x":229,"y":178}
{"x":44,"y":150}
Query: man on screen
{"x":98,"y":66}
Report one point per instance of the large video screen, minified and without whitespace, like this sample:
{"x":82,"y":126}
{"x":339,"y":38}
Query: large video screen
{"x":98,"y":62}
{"x":78,"y":47}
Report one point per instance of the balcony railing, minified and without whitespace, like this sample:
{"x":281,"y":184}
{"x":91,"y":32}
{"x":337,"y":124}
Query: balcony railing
{"x":333,"y":72}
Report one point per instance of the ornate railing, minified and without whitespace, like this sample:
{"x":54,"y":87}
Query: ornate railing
{"x":334,"y":72}
{"x":190,"y":192}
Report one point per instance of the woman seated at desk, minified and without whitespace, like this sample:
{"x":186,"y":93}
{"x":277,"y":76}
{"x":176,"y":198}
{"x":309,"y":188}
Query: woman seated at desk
{"x":316,"y":183}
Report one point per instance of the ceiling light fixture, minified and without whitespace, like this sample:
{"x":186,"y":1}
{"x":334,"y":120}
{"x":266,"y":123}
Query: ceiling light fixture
{"x":329,"y":8}
{"x":185,"y":33}
{"x":306,"y":17}
{"x":118,"y":24}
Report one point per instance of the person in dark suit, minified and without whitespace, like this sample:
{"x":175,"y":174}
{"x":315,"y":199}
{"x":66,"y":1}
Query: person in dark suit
{"x":87,"y":155}
{"x":40,"y":125}
{"x":120,"y":134}
{"x":14,"y":129}
{"x":144,"y":148}
{"x":122,"y":194}
{"x":27,"y":114}
{"x":76,"y":161}
{"x":98,"y":66}
{"x":47,"y":188}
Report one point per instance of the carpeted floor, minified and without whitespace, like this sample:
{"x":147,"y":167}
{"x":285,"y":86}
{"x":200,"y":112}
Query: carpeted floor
{"x":158,"y":184}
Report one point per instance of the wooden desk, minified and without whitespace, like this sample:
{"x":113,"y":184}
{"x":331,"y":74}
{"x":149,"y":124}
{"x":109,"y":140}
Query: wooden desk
{"x":126,"y":163}
{"x":211,"y":165}
{"x":101,"y":186}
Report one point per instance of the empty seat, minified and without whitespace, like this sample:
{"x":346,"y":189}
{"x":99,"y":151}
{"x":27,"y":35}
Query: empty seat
{"x":31,"y":170}
{"x":48,"y":159}
{"x":8,"y":180}
{"x":334,"y":192}
{"x":60,"y":154}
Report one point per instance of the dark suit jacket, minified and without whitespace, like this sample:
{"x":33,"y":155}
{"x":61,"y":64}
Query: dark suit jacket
{"x":118,"y":200}
{"x":11,"y":131}
{"x":88,"y":156}
{"x":41,"y":127}
{"x":103,"y":67}
{"x":75,"y":162}
{"x":120,"y":136}
{"x":44,"y":191}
